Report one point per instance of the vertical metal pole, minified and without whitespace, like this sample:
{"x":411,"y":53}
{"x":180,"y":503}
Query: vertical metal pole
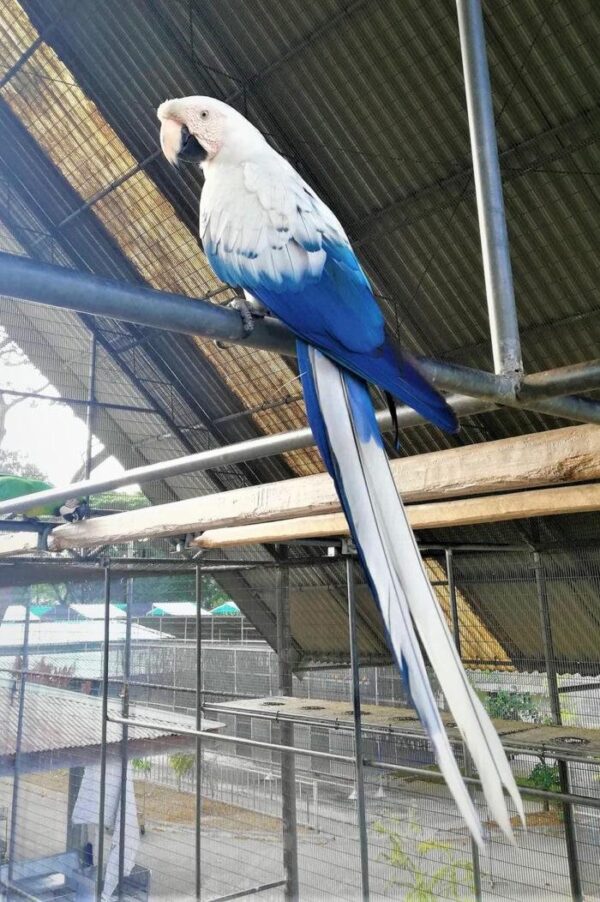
{"x":18,"y":743}
{"x":91,"y":406}
{"x":125,"y":736}
{"x":467,"y":758}
{"x":288,"y":764}
{"x":563,"y":768}
{"x":358,"y":752}
{"x":497,"y":269}
{"x":198,"y":726}
{"x":103,"y":734}
{"x":452,"y":596}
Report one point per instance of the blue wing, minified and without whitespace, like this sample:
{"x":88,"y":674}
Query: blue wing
{"x":265,"y":230}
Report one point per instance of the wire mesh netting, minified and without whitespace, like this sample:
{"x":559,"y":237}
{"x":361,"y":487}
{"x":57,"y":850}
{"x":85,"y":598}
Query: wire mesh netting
{"x":51,"y":688}
{"x":80,"y":187}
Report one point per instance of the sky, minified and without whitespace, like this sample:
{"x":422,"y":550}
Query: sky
{"x":45,"y":433}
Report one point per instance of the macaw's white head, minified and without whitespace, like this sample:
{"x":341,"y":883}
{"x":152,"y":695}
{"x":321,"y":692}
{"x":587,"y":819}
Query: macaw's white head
{"x":198,"y":129}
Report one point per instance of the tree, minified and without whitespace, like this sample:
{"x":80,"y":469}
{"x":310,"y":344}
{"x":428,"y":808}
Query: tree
{"x":142,"y":766}
{"x":11,"y":357}
{"x":18,"y":465}
{"x":182,"y":763}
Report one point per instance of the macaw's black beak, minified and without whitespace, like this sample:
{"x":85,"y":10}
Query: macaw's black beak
{"x":190,"y":151}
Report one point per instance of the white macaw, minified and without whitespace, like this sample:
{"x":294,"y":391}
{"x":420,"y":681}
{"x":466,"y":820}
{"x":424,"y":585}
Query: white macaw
{"x":264,"y":229}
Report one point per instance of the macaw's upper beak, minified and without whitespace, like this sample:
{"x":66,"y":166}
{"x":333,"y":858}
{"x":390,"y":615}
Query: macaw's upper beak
{"x":190,"y":150}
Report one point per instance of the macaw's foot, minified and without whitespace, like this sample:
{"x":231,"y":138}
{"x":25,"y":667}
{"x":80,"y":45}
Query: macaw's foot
{"x":249,"y":310}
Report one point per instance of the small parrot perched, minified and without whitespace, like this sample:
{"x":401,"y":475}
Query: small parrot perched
{"x":16,"y":486}
{"x":264,"y":229}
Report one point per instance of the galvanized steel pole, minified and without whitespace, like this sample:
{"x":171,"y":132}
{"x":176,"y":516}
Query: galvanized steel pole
{"x":563,"y":767}
{"x":288,"y":763}
{"x":22,"y":682}
{"x":197,"y":835}
{"x":103,"y":736}
{"x":358,"y":751}
{"x":125,"y":737}
{"x":467,"y":758}
{"x":54,"y":286}
{"x":252,"y":449}
{"x":497,"y":269}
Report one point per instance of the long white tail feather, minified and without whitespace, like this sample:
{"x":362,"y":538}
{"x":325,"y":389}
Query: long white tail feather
{"x":406,"y":597}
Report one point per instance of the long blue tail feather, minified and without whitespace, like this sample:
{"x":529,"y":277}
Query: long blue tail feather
{"x":342,"y":417}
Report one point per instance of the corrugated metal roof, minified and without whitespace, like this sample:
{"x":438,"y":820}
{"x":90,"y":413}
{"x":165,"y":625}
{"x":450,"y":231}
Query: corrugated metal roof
{"x":72,"y":633}
{"x":56,"y":719}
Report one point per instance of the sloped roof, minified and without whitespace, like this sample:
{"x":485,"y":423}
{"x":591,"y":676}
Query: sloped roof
{"x":57,"y":719}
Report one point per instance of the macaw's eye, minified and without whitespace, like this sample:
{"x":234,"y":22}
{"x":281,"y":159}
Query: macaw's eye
{"x":204,"y":114}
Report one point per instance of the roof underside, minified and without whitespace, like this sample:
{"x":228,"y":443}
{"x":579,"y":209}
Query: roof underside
{"x":367,"y":99}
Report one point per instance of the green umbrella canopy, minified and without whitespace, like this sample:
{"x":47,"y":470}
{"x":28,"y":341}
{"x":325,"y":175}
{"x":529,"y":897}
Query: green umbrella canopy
{"x":228,"y":607}
{"x":40,"y":609}
{"x":17,"y":486}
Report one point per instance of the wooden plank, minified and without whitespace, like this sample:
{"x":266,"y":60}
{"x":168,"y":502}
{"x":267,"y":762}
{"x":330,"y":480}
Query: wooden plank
{"x":17,"y":543}
{"x":557,"y":456}
{"x":320,"y":527}
{"x":462,"y":512}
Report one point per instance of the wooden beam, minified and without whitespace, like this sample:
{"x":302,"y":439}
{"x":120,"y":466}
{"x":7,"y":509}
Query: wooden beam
{"x":558,"y":456}
{"x":435,"y":515}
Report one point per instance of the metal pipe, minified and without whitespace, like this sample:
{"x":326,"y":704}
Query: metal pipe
{"x":501,"y":389}
{"x":468,"y":764}
{"x":125,"y":736}
{"x":89,"y":420}
{"x":42,"y":283}
{"x":504,"y":327}
{"x":358,"y":750}
{"x":61,"y":399}
{"x":428,"y":775}
{"x":566,"y":380}
{"x":563,"y":767}
{"x":241,"y":894}
{"x":452,"y":595}
{"x":103,"y":736}
{"x":286,"y":733}
{"x":55,"y":286}
{"x":252,"y":449}
{"x":387,"y":729}
{"x":197,"y":834}
{"x":18,"y":743}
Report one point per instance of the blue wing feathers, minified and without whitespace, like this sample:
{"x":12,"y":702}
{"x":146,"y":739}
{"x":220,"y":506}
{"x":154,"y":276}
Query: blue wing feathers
{"x":338,"y":314}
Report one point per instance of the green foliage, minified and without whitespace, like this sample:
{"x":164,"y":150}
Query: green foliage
{"x":17,"y":465}
{"x":212,"y":593}
{"x":543,"y":776}
{"x":448,"y":872}
{"x":141,"y":765}
{"x":182,"y":763}
{"x":119,"y":501}
{"x":506,"y":705}
{"x":178,"y":587}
